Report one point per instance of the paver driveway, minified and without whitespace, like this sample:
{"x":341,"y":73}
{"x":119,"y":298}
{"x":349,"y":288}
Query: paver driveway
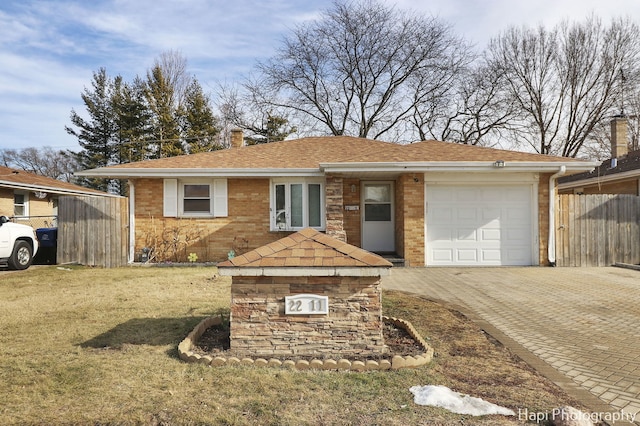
{"x":583,"y":323}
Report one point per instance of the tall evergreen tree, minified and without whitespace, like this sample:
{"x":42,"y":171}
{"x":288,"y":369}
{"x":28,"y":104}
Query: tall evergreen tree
{"x":160,"y":96}
{"x":133,"y":120}
{"x":95,"y":134}
{"x":200,"y":126}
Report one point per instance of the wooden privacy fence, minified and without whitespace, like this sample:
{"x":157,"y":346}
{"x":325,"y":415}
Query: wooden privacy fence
{"x":93,"y":231}
{"x":597,"y":230}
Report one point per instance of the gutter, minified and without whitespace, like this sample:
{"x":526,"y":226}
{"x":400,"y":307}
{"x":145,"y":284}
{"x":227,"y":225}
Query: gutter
{"x":551,"y":244}
{"x":456,"y":166}
{"x":594,"y":180}
{"x":53,"y":190}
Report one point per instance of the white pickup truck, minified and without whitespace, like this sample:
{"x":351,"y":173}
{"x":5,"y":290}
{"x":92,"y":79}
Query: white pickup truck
{"x":18,"y":244}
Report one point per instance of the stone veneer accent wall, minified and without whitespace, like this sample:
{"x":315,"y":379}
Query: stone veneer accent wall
{"x":543,"y":218}
{"x":335,"y":208}
{"x":353,"y":326}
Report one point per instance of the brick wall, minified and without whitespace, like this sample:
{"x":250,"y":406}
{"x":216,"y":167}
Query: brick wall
{"x":6,"y":202}
{"x":352,"y":327}
{"x":410,"y":237}
{"x":37,"y":207}
{"x":246,"y":227}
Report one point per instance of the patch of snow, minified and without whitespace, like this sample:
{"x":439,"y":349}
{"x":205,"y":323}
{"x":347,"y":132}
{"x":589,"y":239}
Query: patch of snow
{"x":442,"y":396}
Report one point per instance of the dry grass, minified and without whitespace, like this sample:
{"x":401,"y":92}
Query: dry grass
{"x":97,"y":346}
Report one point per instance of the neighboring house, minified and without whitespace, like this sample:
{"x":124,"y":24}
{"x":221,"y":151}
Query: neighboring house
{"x":430,"y":203}
{"x":27,"y":197}
{"x":618,"y":175}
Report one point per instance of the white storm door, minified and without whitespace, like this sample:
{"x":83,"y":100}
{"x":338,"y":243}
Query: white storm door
{"x":481,"y":225}
{"x":378,"y":226}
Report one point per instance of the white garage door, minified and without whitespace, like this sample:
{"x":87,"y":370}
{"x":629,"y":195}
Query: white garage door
{"x":479,"y":225}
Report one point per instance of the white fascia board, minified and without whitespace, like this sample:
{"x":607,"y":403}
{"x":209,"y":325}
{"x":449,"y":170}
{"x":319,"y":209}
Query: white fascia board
{"x":445,"y":166}
{"x":53,"y":190}
{"x":296,"y":271}
{"x":189,"y":172}
{"x":600,"y":179}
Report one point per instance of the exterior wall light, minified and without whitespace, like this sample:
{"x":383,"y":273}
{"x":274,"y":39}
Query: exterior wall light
{"x":499,"y":164}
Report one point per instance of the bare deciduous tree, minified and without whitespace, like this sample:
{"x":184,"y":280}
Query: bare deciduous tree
{"x":564,"y":81}
{"x":44,"y":161}
{"x":360,"y":68}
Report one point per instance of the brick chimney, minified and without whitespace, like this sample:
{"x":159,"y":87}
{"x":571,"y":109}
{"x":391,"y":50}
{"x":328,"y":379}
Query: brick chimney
{"x":237,"y":138}
{"x":619,"y":138}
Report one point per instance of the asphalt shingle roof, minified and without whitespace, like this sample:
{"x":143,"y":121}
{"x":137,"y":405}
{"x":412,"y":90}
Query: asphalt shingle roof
{"x":309,"y":153}
{"x":307,"y":248}
{"x":9,"y":176}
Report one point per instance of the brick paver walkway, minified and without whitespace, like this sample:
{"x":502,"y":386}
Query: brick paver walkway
{"x":579,"y":326}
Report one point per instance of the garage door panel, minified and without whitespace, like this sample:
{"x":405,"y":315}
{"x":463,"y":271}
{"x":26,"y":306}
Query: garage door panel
{"x":491,"y":234}
{"x":491,"y":194}
{"x":443,"y":256}
{"x":442,"y":214}
{"x":467,"y":234}
{"x":516,"y":256}
{"x":441,"y":194}
{"x":489,"y":214}
{"x":517,"y":214}
{"x":479,"y":225}
{"x":468,"y":255}
{"x":491,"y":256}
{"x":517,"y":235}
{"x":517,"y":195}
{"x":442,"y":233}
{"x":466,"y":194}
{"x":467,"y":214}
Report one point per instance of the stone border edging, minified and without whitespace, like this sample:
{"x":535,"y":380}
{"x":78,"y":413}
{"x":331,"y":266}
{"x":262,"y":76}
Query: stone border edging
{"x":186,"y":353}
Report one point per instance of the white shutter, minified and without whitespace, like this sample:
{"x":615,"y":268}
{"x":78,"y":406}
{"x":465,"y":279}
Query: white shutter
{"x":170,"y":198}
{"x":220,"y":203}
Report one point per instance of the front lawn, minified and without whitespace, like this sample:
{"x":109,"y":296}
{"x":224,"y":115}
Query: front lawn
{"x":99,"y":346}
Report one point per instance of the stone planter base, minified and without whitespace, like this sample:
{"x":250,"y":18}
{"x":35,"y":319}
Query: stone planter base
{"x":186,"y":353}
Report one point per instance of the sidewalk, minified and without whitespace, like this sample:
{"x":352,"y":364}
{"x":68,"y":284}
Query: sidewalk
{"x":580,"y":327}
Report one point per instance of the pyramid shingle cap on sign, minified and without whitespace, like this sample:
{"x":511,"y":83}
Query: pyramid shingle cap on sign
{"x":306,"y":253}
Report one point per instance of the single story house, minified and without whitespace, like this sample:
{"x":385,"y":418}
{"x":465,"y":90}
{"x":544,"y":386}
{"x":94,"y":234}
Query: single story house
{"x":430,"y":203}
{"x":619,"y":174}
{"x":28,"y":197}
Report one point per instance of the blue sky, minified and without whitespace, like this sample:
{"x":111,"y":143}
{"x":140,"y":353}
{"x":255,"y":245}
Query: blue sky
{"x":49,"y":49}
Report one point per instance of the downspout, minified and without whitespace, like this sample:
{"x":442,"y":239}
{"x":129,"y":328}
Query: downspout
{"x":132,"y":221}
{"x":551,"y":245}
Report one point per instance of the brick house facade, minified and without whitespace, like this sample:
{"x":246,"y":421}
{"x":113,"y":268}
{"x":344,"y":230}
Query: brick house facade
{"x":328,"y":177}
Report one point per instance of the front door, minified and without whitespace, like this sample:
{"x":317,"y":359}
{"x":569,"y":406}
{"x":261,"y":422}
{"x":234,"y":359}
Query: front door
{"x":378,"y":228}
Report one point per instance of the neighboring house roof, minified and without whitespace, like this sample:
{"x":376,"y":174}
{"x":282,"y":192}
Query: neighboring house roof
{"x":305,"y":249}
{"x":624,"y":167}
{"x":23,"y":180}
{"x":316,"y":155}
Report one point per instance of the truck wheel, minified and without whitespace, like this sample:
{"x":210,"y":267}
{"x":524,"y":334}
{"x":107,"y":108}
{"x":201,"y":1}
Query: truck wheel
{"x":22,"y":256}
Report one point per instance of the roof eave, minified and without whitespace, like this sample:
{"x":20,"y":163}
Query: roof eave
{"x":472,"y":166}
{"x":301,"y":271}
{"x":52,"y":190}
{"x":600,"y":179}
{"x":194,"y":172}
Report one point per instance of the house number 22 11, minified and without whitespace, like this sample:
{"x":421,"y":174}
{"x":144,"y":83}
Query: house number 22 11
{"x":306,"y":304}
